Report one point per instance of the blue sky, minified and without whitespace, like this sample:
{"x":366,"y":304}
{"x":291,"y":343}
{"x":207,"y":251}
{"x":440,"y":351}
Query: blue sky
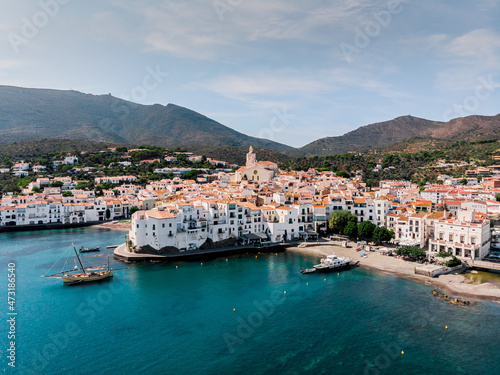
{"x":291,"y":71}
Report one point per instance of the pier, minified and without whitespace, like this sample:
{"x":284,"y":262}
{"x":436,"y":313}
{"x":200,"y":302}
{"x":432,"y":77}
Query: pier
{"x":484,"y":265}
{"x":122,"y":253}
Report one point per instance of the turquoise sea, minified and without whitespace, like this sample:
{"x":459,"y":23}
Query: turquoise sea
{"x":231,"y":317}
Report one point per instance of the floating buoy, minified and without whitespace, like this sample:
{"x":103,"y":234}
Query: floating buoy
{"x":202,"y":264}
{"x":445,"y":327}
{"x":324,"y":279}
{"x":256,"y":256}
{"x":307,"y":283}
{"x":49,"y":247}
{"x":176,"y":266}
{"x":338,"y":274}
{"x":226,"y":260}
{"x":234,"y":309}
{"x":284,"y":292}
{"x":402,"y":352}
{"x":276,"y":253}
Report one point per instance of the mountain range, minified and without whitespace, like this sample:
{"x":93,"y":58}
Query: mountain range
{"x":34,"y":114}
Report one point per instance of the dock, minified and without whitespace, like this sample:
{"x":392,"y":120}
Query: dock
{"x":484,"y":265}
{"x":122,"y":253}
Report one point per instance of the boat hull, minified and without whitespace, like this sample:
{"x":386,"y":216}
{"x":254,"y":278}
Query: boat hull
{"x":333,"y":269}
{"x":89,"y":249}
{"x":87,"y":278}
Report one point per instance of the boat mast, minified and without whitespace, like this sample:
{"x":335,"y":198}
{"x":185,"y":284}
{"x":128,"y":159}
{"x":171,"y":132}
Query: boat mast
{"x":79,"y":260}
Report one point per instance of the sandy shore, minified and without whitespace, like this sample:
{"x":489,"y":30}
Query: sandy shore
{"x":457,"y":284}
{"x":115,"y":225}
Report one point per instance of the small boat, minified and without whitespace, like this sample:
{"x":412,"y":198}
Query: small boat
{"x":308,"y":270}
{"x":333,"y":263}
{"x":89,"y":249}
{"x":112,"y":246}
{"x":89,"y":274}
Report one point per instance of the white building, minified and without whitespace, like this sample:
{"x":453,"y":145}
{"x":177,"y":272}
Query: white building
{"x":259,"y":171}
{"x":466,"y":236}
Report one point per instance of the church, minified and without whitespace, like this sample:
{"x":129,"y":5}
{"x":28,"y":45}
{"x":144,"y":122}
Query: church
{"x":259,"y":171}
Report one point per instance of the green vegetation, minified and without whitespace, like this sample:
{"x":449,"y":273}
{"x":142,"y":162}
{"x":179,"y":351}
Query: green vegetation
{"x":339,"y":220}
{"x":351,"y":230}
{"x":453,"y":262}
{"x":366,"y":229}
{"x":382,"y":234}
{"x":411,"y":251}
{"x":133,"y":210}
{"x":443,"y":254}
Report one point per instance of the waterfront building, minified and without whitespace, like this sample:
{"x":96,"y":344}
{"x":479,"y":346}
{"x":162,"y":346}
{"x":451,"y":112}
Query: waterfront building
{"x":466,"y":236}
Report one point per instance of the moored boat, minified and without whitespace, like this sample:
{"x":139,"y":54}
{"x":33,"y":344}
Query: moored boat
{"x":89,"y":274}
{"x":333,"y":263}
{"x":89,"y":249}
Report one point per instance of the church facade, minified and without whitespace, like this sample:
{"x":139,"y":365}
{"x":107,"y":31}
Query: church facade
{"x":258,"y":171}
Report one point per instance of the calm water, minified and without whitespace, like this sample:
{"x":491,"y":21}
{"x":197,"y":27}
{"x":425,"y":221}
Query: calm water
{"x":480,"y":277}
{"x":159,"y":319}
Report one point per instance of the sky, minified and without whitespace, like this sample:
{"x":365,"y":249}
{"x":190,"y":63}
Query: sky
{"x":287,"y":70}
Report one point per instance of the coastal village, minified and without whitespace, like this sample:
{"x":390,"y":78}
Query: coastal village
{"x":259,"y":204}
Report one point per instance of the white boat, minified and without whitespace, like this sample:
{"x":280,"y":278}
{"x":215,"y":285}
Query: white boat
{"x":333,"y":263}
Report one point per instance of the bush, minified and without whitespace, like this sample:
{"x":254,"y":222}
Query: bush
{"x":454,"y":262}
{"x":443,"y":254}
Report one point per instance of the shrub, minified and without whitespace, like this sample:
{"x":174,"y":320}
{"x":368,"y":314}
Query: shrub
{"x":454,"y":262}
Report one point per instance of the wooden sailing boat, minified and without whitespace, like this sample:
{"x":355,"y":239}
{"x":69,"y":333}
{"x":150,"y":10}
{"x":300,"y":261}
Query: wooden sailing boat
{"x":89,"y":274}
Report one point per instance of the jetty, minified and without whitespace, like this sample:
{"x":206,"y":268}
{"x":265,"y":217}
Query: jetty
{"x":122,"y":253}
{"x":484,"y":265}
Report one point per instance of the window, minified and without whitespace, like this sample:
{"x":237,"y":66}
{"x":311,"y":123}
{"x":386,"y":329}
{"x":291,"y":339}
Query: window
{"x":450,"y":238}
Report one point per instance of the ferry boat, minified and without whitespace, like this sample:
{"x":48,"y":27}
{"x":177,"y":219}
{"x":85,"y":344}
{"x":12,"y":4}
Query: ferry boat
{"x":331,"y":263}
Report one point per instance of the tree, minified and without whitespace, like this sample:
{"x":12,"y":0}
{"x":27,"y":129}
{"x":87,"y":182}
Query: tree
{"x":56,"y":184}
{"x":411,"y":251}
{"x":339,"y":220}
{"x":343,"y":174}
{"x":133,"y":210}
{"x":67,"y":194}
{"x":351,"y":230}
{"x":463,"y":181}
{"x":497,"y":197}
{"x":7,"y":162}
{"x":365,"y":229}
{"x":382,"y":234}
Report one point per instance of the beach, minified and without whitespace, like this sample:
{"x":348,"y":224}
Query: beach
{"x":454,"y":283}
{"x":122,"y":226}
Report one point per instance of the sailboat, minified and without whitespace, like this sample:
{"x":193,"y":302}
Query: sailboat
{"x":89,"y":274}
